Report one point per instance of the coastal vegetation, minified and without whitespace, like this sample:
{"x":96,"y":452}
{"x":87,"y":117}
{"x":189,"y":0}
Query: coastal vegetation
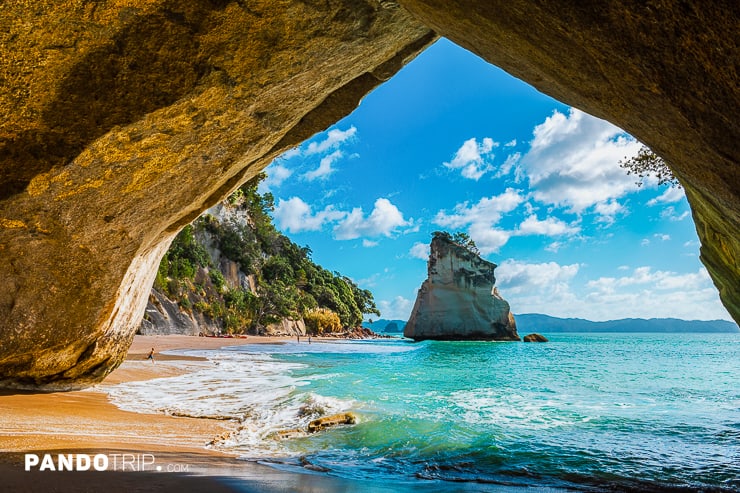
{"x":646,"y":163}
{"x":276,"y":279}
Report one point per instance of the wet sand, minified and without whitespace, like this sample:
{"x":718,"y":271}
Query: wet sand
{"x":86,"y":423}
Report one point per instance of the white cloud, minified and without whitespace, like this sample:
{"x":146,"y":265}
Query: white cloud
{"x":672,"y":194}
{"x":644,"y":242}
{"x":399,"y":308}
{"x":670,"y":214}
{"x":488,"y":239}
{"x":662,"y":280}
{"x":511,"y":162}
{"x":554,"y":247}
{"x":384,"y":220}
{"x":662,"y":236}
{"x":294,"y":215}
{"x":291,"y":153}
{"x":607,"y":210}
{"x":276,"y":175}
{"x":511,"y":143}
{"x":419,"y":250}
{"x":334,"y":138}
{"x":488,"y":210}
{"x":549,"y":226}
{"x":473,"y":158}
{"x":324,"y":169}
{"x":481,"y":218}
{"x":514,"y":277}
{"x":644,"y":293}
{"x":572,"y":161}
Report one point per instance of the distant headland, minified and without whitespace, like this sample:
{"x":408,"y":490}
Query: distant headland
{"x":531,"y":322}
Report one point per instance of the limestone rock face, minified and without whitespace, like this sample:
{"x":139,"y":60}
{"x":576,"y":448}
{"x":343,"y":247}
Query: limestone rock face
{"x":458,"y":300}
{"x":666,"y":71}
{"x":123,"y":121}
{"x":286,"y":327}
{"x":164,"y":317}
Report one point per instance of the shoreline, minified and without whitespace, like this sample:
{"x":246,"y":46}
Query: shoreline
{"x":86,"y":422}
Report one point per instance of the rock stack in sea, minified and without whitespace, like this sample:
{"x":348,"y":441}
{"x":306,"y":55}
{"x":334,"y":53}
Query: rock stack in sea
{"x":458,"y":300}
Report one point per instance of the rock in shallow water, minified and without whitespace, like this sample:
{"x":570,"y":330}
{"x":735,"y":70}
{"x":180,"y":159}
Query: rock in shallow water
{"x":534,"y":338}
{"x":458,"y":300}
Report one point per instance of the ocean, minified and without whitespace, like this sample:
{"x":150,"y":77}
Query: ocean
{"x":584,"y":412}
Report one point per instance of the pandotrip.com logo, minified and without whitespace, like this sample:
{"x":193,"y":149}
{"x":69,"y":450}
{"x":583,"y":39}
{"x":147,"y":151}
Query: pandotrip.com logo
{"x":99,"y":462}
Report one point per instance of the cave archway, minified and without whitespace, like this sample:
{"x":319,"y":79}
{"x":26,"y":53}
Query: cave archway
{"x":124,"y":123}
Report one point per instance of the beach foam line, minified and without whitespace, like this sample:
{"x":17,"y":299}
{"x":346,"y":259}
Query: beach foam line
{"x":254,"y":391}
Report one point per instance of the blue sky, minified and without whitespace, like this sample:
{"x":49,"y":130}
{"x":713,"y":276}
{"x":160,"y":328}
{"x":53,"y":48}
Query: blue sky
{"x":454,"y":143}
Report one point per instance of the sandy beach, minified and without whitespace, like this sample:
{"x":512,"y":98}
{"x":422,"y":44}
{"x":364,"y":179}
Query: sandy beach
{"x":85,"y":422}
{"x":161,"y":453}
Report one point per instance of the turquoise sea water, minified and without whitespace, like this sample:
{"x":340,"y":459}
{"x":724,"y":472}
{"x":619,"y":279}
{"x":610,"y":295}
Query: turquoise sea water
{"x":606,"y":412}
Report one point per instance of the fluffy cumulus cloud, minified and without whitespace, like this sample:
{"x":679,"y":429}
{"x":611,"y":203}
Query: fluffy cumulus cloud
{"x":277,"y":173}
{"x":294,"y":215}
{"x":481,"y":219}
{"x":650,"y":293}
{"x":473,"y":158}
{"x":384,"y":220}
{"x":488,"y":210}
{"x":670,"y":195}
{"x":642,"y":292}
{"x":658,"y":279}
{"x":521,"y":277}
{"x":325,"y":167}
{"x":419,"y":250}
{"x":334,"y":139}
{"x":572,"y":162}
{"x":399,"y":308}
{"x":550,"y":226}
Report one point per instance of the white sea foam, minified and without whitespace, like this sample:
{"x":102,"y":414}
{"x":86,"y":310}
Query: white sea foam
{"x":254,"y":390}
{"x":509,"y":410}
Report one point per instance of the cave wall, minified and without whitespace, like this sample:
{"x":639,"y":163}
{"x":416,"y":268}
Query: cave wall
{"x":124,"y":119}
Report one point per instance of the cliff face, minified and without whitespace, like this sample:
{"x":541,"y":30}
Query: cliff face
{"x":458,"y":300}
{"x":179,"y":313}
{"x":164,"y":317}
{"x":122,"y":121}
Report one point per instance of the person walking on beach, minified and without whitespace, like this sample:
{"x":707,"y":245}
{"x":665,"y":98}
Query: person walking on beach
{"x":151,"y":355}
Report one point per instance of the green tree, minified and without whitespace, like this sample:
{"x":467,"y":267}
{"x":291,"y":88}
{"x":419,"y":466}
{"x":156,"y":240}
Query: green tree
{"x":646,"y":163}
{"x":289,"y":283}
{"x":464,"y":240}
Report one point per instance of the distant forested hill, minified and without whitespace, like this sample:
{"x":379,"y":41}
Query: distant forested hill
{"x":535,"y":322}
{"x":385,"y":325}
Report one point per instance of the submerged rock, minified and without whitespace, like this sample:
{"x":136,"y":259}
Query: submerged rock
{"x":334,"y":420}
{"x":534,"y":338}
{"x":458,"y":300}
